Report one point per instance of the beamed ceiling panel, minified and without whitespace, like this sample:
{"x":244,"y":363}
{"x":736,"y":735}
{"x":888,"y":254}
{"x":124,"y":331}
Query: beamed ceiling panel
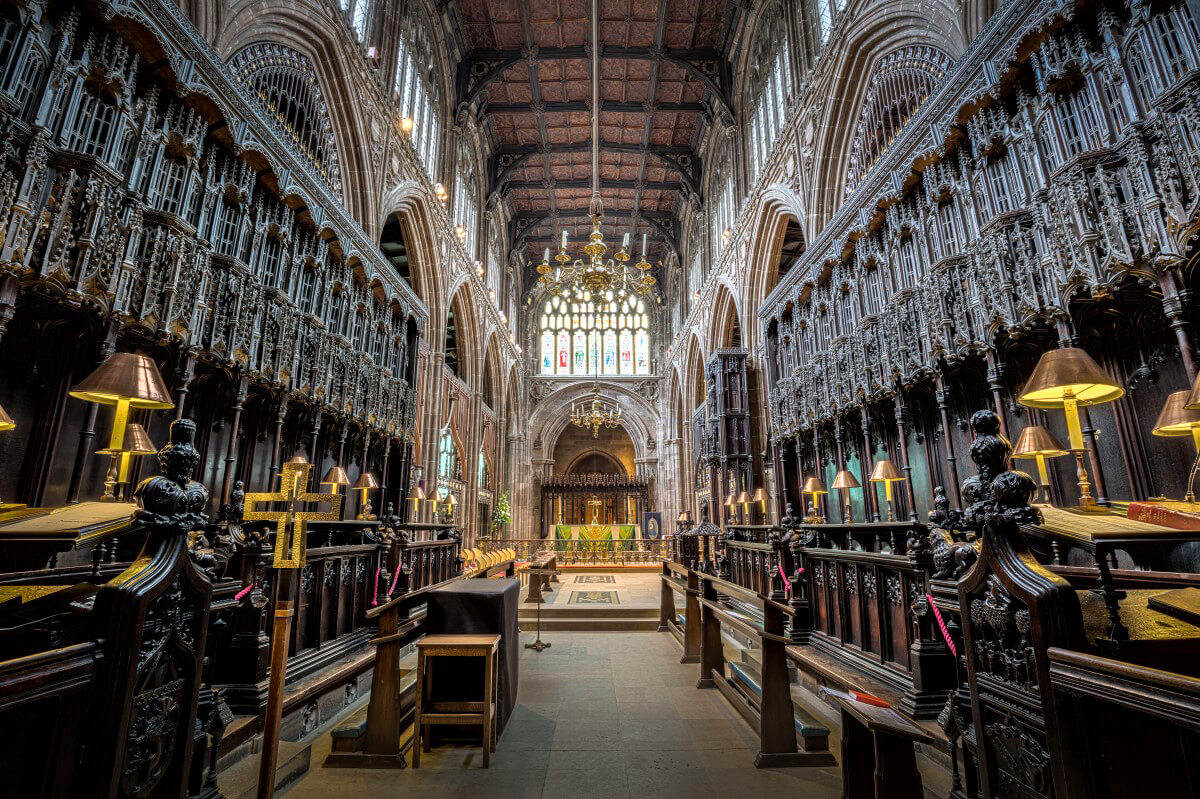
{"x":661,"y":72}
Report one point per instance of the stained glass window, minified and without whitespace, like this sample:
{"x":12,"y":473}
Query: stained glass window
{"x":580,"y":339}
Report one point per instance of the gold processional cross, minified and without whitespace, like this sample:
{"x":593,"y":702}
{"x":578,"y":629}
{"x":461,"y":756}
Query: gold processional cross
{"x":291,"y":525}
{"x":594,"y":503}
{"x":291,"y":529}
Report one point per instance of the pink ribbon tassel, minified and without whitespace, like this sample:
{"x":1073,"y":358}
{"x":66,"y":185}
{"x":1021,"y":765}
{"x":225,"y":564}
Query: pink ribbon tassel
{"x":937,"y":614}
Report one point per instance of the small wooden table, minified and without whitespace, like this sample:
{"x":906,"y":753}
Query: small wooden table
{"x":878,"y":759}
{"x":481,"y":713}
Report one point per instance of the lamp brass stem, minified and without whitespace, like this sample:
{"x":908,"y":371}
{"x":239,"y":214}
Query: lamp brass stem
{"x":1044,"y":478}
{"x":116,"y":439}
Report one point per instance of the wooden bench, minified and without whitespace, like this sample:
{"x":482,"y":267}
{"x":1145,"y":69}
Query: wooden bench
{"x":482,"y":713}
{"x":684,"y":626}
{"x":769,"y":709}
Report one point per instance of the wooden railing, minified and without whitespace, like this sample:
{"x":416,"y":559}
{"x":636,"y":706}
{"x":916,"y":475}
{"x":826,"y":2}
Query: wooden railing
{"x":585,"y":553}
{"x":861,"y":583}
{"x":762,"y":697}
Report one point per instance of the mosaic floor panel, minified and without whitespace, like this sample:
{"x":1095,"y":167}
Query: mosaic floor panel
{"x":594,"y":598}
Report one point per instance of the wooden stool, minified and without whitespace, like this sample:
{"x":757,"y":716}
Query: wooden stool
{"x":481,"y":713}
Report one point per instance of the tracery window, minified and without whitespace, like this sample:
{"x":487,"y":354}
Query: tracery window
{"x":416,"y":92}
{"x":581,"y":339}
{"x":899,"y":83}
{"x":723,"y":209}
{"x":449,"y":462}
{"x":360,"y":18}
{"x":285,"y":82}
{"x":466,"y":203}
{"x":824,"y":19}
{"x":483,"y":476}
{"x":769,"y":88}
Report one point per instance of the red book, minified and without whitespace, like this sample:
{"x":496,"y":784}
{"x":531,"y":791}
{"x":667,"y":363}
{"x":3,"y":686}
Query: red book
{"x":869,"y":699}
{"x":1164,"y":516}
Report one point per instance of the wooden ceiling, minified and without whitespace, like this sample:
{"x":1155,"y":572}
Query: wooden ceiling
{"x":662,"y":76}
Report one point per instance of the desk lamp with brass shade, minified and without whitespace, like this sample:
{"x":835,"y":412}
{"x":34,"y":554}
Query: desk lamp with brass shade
{"x":7,"y":423}
{"x":451,"y":503}
{"x":127,"y":381}
{"x":760,"y":499}
{"x":335,"y":478}
{"x":731,"y":509}
{"x":137,"y":442}
{"x":1176,"y":419}
{"x":1069,"y":378}
{"x":814,"y":487}
{"x":842,"y":483}
{"x":886,"y":472}
{"x":1039,"y":443}
{"x":366,"y":483}
{"x":743,"y":499}
{"x":416,"y":497}
{"x":1193,"y":397}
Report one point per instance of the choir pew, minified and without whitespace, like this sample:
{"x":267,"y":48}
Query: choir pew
{"x":677,"y":579}
{"x":763,"y":698}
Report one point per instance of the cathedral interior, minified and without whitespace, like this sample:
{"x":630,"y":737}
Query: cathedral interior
{"x":720,"y":397}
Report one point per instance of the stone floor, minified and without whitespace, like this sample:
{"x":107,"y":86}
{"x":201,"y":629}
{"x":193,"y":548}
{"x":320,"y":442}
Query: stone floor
{"x":632,"y":589}
{"x":598,"y":715}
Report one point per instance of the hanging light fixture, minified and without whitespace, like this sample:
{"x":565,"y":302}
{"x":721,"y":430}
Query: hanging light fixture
{"x":596,"y":279}
{"x":595,"y":412}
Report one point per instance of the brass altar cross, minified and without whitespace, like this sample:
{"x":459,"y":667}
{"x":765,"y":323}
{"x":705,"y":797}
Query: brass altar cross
{"x":594,"y":503}
{"x":290,"y":550}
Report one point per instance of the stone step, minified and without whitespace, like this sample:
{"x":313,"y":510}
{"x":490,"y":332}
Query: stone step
{"x":592,"y":624}
{"x":530,"y":612}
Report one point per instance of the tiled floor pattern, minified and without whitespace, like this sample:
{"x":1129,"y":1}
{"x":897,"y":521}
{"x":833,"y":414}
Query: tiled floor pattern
{"x":594,"y":598}
{"x":598,"y":715}
{"x":633,"y":589}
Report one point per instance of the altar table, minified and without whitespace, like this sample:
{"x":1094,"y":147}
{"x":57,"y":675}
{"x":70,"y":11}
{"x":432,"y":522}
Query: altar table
{"x":600,"y":537}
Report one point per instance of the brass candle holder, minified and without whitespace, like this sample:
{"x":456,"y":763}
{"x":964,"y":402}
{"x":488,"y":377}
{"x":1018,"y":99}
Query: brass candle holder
{"x":1069,"y":378}
{"x":1039,"y":443}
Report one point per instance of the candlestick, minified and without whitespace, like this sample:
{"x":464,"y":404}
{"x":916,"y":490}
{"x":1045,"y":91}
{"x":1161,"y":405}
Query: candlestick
{"x":625,"y":241}
{"x":564,"y":240}
{"x":643,"y":245}
{"x":546,"y":256}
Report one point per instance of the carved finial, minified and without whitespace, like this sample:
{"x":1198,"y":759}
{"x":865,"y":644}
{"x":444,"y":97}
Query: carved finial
{"x":172,"y":500}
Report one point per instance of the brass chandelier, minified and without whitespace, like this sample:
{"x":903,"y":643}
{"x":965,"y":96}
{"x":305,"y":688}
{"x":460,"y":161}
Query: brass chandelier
{"x":595,"y":278}
{"x":595,"y":413}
